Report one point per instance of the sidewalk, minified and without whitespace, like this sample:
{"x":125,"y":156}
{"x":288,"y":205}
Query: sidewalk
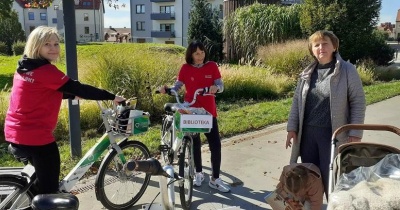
{"x":252,"y":163}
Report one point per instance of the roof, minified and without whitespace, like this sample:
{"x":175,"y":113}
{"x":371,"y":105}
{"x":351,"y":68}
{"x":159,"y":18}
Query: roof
{"x":83,"y":4}
{"x":398,"y":16}
{"x":112,"y":30}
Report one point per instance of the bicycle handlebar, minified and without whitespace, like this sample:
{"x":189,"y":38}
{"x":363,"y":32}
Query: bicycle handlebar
{"x":200,"y":91}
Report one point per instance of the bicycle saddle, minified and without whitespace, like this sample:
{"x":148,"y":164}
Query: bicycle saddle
{"x":18,"y":154}
{"x":63,"y":201}
{"x":169,"y":107}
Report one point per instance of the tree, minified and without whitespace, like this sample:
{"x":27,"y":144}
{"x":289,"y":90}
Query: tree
{"x":205,"y":26}
{"x":11,"y":30}
{"x":353,"y":21}
{"x":5,"y":8}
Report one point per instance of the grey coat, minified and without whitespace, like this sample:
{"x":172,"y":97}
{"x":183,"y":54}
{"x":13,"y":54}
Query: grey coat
{"x":347,"y":102}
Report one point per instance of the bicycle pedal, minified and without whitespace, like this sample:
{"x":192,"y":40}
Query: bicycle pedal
{"x":164,"y":148}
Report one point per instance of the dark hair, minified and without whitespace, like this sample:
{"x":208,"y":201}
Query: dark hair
{"x":296,"y":179}
{"x":193,"y":48}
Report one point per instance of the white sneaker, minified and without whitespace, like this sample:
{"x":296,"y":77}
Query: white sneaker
{"x":219,"y":185}
{"x":198,"y":179}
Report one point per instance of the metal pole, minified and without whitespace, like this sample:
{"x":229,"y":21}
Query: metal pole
{"x":72,"y":72}
{"x":94,"y":18}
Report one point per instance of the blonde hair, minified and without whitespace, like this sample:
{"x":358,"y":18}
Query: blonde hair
{"x":38,"y":37}
{"x":296,"y":179}
{"x":321,"y":35}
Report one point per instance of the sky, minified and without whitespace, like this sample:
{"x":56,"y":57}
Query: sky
{"x":389,"y":11}
{"x":121,"y":17}
{"x":117,"y":18}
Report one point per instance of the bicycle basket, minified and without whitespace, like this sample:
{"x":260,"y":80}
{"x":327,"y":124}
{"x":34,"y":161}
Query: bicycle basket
{"x":132,"y":121}
{"x":193,"y":120}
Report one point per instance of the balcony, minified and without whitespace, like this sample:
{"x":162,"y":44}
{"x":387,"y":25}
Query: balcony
{"x":162,"y":34}
{"x":158,"y":1}
{"x":163,"y":16}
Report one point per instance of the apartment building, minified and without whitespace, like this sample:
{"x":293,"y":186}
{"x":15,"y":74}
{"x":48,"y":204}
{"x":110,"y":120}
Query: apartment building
{"x":89,"y":16}
{"x":163,"y":21}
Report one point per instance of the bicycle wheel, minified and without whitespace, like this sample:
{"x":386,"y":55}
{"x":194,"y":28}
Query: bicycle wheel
{"x":9,"y":187}
{"x":115,"y":188}
{"x":186,"y":170}
{"x":166,"y":141}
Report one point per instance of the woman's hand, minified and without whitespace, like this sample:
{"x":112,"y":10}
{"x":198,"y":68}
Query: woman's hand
{"x":353,"y":139}
{"x":118,"y":99}
{"x":213,"y":89}
{"x":162,"y":89}
{"x":291,"y":135}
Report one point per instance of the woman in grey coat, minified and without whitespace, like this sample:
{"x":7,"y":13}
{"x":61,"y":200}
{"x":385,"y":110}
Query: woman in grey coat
{"x":329,"y":94}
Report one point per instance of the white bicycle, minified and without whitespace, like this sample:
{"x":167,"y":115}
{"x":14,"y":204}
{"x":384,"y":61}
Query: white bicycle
{"x":177,"y":149}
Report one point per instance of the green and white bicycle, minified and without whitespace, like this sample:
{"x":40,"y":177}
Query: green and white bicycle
{"x":179,"y":124}
{"x":115,"y":187}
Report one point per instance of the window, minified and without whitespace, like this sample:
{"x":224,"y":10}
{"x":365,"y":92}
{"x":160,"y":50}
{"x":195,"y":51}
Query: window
{"x":85,"y":17}
{"x":31,"y":16}
{"x":31,"y":28}
{"x":140,"y":26}
{"x":87,"y":3}
{"x":54,"y":20}
{"x":86,"y":30}
{"x":169,"y":42}
{"x":167,"y":9}
{"x":43,"y":16}
{"x":141,"y":40}
{"x":167,"y":27}
{"x":140,"y":9}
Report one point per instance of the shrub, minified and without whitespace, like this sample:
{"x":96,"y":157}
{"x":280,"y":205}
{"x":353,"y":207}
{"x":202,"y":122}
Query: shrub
{"x":387,"y":73}
{"x":245,"y":82}
{"x":18,"y":48}
{"x":288,"y":58}
{"x":3,"y":48}
{"x":134,"y":71}
{"x":365,"y":69}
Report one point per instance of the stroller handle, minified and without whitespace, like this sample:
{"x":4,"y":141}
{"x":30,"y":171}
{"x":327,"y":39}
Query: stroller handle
{"x":376,"y":127}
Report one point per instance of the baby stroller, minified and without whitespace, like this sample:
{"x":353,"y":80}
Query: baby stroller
{"x":351,"y":156}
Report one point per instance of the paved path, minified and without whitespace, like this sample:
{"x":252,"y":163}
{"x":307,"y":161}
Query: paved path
{"x":253,"y":162}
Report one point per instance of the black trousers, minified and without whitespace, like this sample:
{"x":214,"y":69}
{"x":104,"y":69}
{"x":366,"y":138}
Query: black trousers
{"x":46,"y":160}
{"x":315,"y":147}
{"x":214,"y":143}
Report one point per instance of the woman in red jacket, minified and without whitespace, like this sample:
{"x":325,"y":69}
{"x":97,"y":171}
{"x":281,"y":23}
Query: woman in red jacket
{"x":198,"y":73}
{"x":35,"y":100}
